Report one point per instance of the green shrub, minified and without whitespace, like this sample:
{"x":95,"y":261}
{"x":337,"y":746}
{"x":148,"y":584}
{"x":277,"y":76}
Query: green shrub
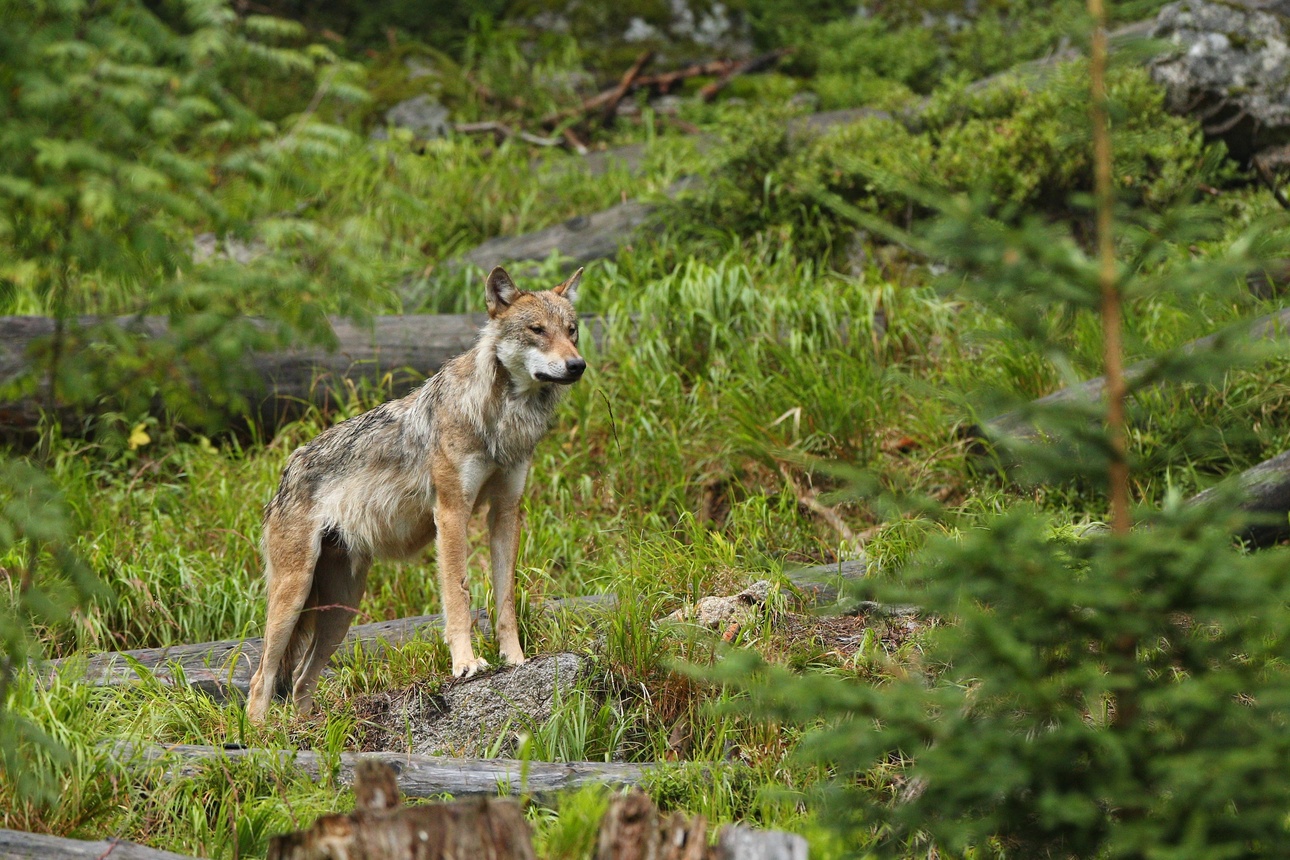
{"x":1016,"y":146}
{"x":1106,"y":698}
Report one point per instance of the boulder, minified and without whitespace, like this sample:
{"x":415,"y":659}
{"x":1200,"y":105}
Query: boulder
{"x":466,"y":718}
{"x":1230,"y":67}
{"x":422,"y":115}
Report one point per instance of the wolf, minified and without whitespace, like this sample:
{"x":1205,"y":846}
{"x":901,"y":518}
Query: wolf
{"x":386,"y":483}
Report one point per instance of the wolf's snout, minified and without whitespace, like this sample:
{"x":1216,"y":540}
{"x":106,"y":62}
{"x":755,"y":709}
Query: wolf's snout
{"x":574,"y":367}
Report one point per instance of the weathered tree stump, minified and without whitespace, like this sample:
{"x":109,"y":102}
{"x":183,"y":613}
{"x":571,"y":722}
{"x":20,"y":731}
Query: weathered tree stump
{"x":634,"y":829}
{"x":380,"y":829}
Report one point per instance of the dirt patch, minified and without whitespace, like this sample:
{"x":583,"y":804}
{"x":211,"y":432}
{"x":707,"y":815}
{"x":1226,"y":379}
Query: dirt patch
{"x":466,"y":718}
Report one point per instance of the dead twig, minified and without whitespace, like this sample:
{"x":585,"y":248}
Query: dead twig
{"x":501,"y":131}
{"x":573,"y":141}
{"x":1270,"y":180}
{"x":606,"y":102}
{"x":610,"y":109}
{"x":756,"y":64}
{"x":810,"y":500}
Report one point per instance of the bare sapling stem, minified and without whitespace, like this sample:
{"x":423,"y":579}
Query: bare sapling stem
{"x":1112,"y":322}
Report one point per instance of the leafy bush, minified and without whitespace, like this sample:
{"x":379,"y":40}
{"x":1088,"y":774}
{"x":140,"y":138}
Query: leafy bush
{"x":1117,"y":695}
{"x":1109,"y":698}
{"x":120,"y":124}
{"x":45,"y":581}
{"x":1017,"y":147}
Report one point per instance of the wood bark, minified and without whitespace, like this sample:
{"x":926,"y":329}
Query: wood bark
{"x":418,"y":776}
{"x":634,"y":829}
{"x":17,"y":845}
{"x":406,"y":349}
{"x":380,"y":829}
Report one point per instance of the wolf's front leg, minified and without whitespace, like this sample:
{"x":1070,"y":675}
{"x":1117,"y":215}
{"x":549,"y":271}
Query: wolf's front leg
{"x":504,"y":547}
{"x":451,"y":518}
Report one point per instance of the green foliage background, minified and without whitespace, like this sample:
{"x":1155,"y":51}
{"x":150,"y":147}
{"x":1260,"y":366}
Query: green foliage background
{"x":810,"y":328}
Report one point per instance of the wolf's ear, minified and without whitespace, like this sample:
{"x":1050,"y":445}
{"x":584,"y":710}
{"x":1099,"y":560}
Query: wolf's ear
{"x":500,"y":291}
{"x":569,"y":289}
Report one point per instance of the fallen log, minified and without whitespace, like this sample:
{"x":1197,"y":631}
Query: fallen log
{"x":418,"y":776}
{"x":223,"y":669}
{"x":580,"y":240}
{"x":397,"y":352}
{"x":17,"y":845}
{"x":1017,"y":425}
{"x":1264,"y":493}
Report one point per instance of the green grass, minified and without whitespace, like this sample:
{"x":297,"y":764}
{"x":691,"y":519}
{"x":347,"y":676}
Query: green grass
{"x":731,"y":369}
{"x":734,"y":363}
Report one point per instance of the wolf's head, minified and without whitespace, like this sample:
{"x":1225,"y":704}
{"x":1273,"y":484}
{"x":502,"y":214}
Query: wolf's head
{"x":537,"y":338}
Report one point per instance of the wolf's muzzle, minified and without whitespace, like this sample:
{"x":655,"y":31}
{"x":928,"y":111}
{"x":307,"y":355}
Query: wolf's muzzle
{"x":573,"y":370}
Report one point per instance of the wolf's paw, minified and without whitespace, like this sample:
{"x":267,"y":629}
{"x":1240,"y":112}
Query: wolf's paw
{"x":468,"y":668}
{"x":515,"y":659}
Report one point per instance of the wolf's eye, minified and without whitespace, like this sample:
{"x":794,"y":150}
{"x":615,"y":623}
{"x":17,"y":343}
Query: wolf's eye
{"x":573,"y":331}
{"x":537,"y":329}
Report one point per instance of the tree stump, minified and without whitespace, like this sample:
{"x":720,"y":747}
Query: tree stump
{"x":379,"y":829}
{"x":633,"y":829}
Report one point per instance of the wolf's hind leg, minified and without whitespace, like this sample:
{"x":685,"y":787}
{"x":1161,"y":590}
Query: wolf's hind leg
{"x":340,"y":578}
{"x":290,"y":558}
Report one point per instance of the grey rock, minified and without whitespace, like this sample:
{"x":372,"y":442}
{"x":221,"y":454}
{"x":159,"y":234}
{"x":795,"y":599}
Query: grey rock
{"x":422,"y":115}
{"x":715,"y":612}
{"x":1230,"y":66}
{"x":467,"y":717}
{"x":208,"y":246}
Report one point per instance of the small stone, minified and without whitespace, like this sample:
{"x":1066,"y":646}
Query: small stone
{"x":421,"y":115}
{"x":716,"y":612}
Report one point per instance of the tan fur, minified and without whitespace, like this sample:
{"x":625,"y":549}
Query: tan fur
{"x":386,"y":483}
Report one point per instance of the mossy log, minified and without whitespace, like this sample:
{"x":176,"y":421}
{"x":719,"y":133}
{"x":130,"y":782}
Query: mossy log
{"x":17,"y":845}
{"x":424,"y":776}
{"x":223,"y":669}
{"x":394,"y":351}
{"x":1018,"y":426}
